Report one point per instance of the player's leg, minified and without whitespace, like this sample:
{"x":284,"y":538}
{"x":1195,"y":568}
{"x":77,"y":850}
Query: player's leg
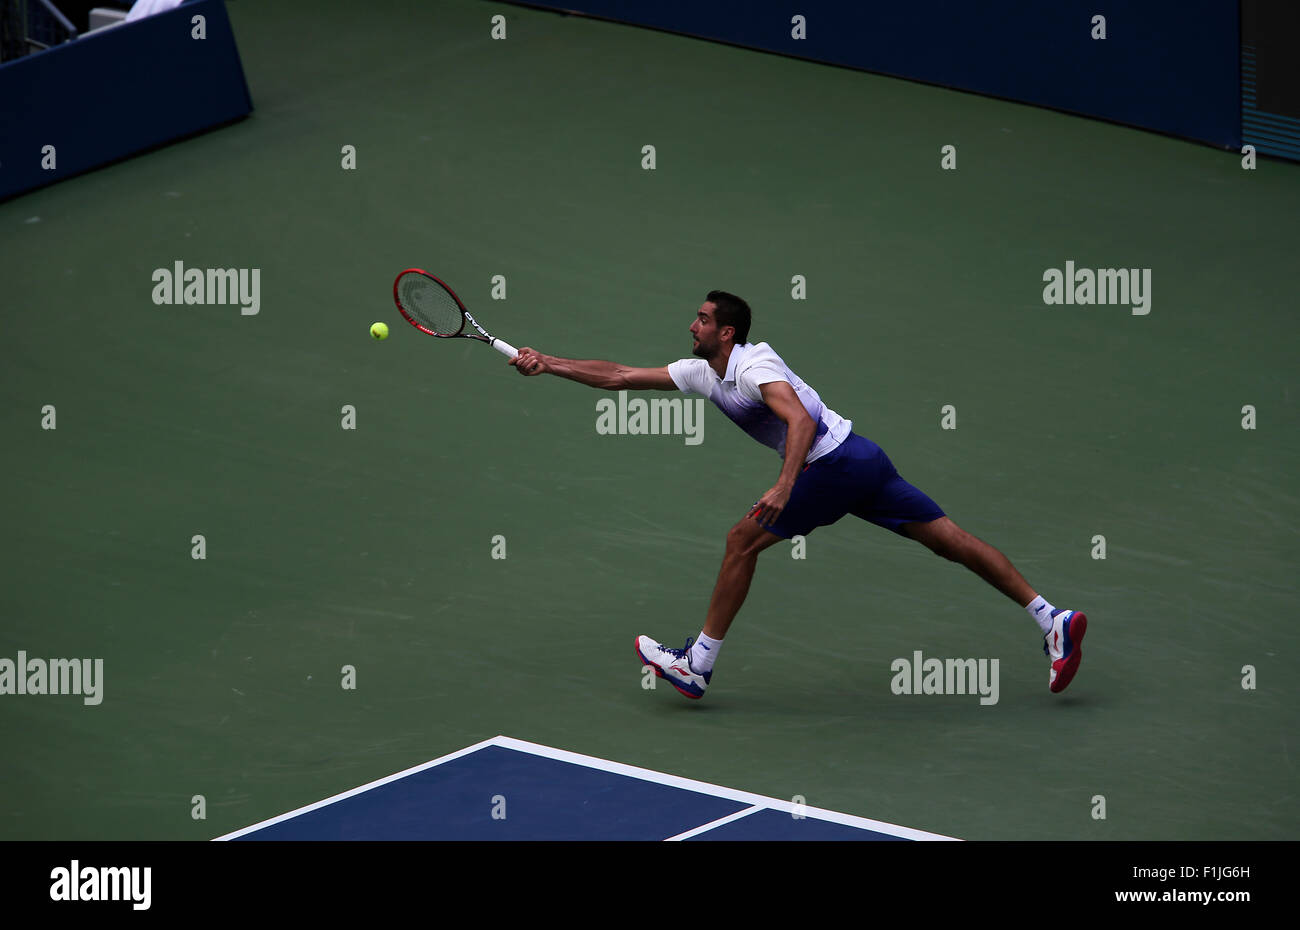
{"x":817,"y":499}
{"x":1062,"y":629}
{"x":947,"y":539}
{"x":907,"y":510}
{"x":745,"y":541}
{"x":690,"y":669}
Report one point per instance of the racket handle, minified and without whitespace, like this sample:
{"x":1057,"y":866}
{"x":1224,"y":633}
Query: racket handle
{"x":505,"y":348}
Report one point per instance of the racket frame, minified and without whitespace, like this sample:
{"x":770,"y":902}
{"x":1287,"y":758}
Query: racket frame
{"x":483,"y":335}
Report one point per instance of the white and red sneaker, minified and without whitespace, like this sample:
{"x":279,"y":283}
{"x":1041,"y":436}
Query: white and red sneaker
{"x":673,"y":665}
{"x":1061,"y":645}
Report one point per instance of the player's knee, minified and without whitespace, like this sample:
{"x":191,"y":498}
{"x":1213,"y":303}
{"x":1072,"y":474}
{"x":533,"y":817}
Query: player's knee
{"x":736,"y":539}
{"x":947,"y":550}
{"x":947,"y":545}
{"x":740,"y":540}
{"x":957,"y":545}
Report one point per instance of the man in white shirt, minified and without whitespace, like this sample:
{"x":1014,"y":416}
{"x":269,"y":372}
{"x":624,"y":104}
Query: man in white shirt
{"x":828,"y":471}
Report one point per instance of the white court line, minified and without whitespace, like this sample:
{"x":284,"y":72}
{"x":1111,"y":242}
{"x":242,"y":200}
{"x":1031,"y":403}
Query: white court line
{"x":718,"y":791}
{"x":374,"y":784}
{"x":618,"y":768}
{"x":716,"y":823}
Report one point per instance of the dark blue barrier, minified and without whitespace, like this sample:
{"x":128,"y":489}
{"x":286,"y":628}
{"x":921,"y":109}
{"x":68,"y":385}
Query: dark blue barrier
{"x":1167,"y":65}
{"x":114,"y":93}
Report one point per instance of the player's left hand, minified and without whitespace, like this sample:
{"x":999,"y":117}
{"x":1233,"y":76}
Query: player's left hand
{"x":770,"y":505}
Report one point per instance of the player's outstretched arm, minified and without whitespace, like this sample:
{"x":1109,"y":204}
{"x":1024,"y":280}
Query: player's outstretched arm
{"x":608,"y":375}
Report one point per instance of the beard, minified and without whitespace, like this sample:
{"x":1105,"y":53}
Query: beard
{"x":700,"y":350}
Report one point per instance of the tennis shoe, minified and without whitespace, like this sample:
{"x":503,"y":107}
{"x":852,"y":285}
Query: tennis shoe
{"x":1062,"y":645}
{"x":673,"y":665}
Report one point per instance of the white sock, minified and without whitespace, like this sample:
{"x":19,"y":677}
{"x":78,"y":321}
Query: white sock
{"x":1041,"y":611}
{"x":704,"y":653}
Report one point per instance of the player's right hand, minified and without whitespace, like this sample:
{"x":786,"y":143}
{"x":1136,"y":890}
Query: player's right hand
{"x":530,"y":362}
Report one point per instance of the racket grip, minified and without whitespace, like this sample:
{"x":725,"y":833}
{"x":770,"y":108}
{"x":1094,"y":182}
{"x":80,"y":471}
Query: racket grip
{"x":505,"y":348}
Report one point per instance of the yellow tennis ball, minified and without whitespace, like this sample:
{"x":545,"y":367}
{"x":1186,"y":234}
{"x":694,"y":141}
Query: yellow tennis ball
{"x":379,"y":330}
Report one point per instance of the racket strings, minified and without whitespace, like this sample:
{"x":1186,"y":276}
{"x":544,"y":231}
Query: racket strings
{"x":430,"y":304}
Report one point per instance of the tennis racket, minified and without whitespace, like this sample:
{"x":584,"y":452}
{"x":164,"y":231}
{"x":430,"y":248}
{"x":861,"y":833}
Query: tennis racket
{"x":432,"y":307}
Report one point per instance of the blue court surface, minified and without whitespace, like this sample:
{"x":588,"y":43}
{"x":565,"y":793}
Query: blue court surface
{"x":508,"y":789}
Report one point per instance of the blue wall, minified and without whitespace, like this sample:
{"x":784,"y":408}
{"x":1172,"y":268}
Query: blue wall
{"x":1168,"y":65}
{"x":114,"y":93}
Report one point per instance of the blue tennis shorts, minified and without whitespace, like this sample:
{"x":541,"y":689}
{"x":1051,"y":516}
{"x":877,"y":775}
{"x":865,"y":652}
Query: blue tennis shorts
{"x":856,"y":478}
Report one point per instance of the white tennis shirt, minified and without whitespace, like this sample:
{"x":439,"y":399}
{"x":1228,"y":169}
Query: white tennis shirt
{"x":738,"y":396}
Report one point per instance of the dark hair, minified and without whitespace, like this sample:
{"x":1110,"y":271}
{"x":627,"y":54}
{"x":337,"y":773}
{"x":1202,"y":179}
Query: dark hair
{"x":732,"y":311}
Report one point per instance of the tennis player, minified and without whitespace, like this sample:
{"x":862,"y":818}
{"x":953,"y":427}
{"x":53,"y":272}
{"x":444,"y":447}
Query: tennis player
{"x":828,"y":471}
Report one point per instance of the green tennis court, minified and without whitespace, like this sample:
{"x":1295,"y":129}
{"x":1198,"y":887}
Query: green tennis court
{"x":373,"y":547}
